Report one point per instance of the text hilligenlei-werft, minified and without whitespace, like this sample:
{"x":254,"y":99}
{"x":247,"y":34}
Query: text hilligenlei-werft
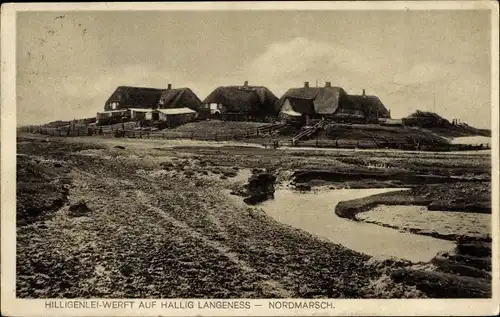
{"x":184,"y":304}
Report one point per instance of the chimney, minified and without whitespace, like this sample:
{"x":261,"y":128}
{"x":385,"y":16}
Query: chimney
{"x":328,"y":84}
{"x":364,"y":94}
{"x":306,"y":84}
{"x":169,"y":86}
{"x":246,"y":83}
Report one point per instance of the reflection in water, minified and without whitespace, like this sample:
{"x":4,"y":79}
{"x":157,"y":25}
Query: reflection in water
{"x":314,"y":212}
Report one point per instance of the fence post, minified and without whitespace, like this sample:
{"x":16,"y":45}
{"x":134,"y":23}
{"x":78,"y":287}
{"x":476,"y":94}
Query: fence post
{"x":216,"y":136}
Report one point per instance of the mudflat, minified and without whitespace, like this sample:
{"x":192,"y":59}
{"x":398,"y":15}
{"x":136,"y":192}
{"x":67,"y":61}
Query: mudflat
{"x":116,"y":218}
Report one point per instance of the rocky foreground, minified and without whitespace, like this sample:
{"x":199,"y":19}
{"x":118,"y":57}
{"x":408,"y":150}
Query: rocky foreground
{"x":100,"y":220}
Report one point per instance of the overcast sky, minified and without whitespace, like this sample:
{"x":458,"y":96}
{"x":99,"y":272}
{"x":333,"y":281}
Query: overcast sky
{"x":70,"y":62}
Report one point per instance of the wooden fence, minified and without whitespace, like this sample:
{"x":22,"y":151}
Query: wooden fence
{"x":144,"y":133}
{"x":241,"y":135}
{"x":366,"y":144}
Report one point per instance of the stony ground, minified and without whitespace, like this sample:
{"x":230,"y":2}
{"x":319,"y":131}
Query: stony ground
{"x":141,"y":219}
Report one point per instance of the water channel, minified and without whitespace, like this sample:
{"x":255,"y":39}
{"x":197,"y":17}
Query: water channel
{"x":314,"y":212}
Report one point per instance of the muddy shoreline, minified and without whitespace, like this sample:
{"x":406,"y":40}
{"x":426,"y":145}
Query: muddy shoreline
{"x":136,"y":189}
{"x":425,"y":195}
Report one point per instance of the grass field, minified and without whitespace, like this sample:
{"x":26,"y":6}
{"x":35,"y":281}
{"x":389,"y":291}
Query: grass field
{"x":222,"y":127}
{"x":362,"y":136}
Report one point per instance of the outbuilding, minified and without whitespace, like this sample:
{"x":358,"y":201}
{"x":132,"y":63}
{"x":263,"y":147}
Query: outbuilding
{"x":175,"y":116}
{"x":114,"y":116}
{"x":138,"y":114}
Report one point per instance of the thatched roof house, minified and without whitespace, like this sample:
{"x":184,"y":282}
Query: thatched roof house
{"x":329,"y":102}
{"x":371,"y":106}
{"x":126,"y":97}
{"x":256,"y":101}
{"x":314,"y":100}
{"x":302,"y":104}
{"x":179,"y":98}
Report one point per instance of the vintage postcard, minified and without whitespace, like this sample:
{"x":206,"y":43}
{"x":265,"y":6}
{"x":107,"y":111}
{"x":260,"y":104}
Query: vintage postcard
{"x":250,"y":159}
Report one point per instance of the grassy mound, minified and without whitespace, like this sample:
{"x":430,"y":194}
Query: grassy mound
{"x":441,"y":126}
{"x":218,"y":126}
{"x":383,"y":135}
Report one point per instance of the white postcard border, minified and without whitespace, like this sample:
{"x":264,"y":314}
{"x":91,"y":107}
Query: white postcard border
{"x":12,"y":306}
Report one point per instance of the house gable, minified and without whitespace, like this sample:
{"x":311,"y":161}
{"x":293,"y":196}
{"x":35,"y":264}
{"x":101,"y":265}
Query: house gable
{"x":179,"y":98}
{"x":315,"y":100}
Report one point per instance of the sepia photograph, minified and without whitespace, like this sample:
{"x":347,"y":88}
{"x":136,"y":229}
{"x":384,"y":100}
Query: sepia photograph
{"x":203,"y":156}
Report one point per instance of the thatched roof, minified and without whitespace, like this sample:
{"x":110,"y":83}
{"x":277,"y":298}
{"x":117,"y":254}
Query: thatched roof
{"x":257,"y":99}
{"x":331,"y":100}
{"x":143,"y":97}
{"x":137,"y":97}
{"x":370,"y":105}
{"x":322,"y":100}
{"x":179,"y":98}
